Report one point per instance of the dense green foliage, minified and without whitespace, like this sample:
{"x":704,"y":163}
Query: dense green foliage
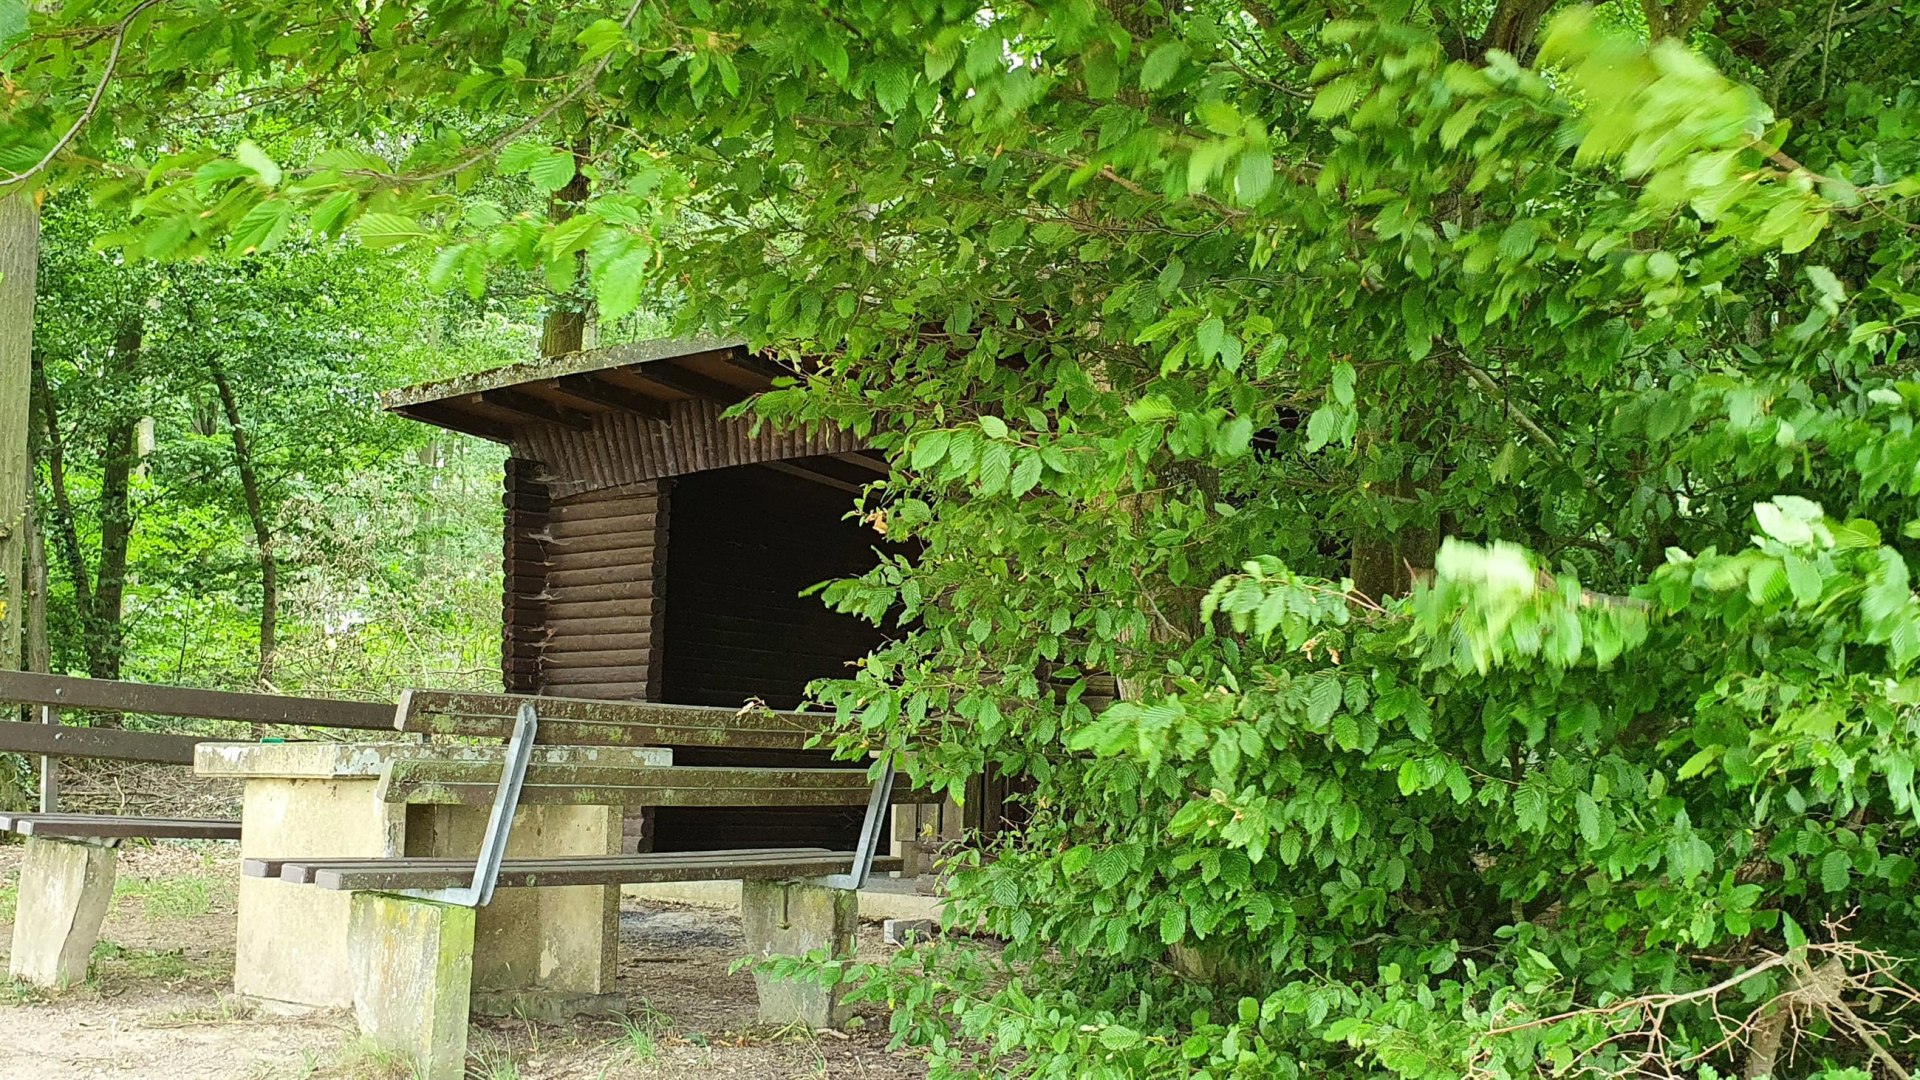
{"x":1191,"y":333}
{"x":304,"y":339}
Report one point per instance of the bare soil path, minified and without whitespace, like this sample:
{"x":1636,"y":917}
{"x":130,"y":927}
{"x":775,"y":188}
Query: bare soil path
{"x":159,"y":1004}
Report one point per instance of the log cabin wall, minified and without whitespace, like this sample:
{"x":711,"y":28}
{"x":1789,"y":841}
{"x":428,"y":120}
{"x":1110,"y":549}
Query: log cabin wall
{"x":602,"y":593}
{"x":523,"y":607}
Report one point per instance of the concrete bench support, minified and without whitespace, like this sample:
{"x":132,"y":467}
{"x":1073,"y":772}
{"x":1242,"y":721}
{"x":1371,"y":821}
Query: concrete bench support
{"x":793,"y":918}
{"x":412,"y":968}
{"x":65,"y":890}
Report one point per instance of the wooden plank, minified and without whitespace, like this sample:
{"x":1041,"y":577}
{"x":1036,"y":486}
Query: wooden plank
{"x":446,"y":415}
{"x":448,"y":783}
{"x":639,"y":622}
{"x":102,"y":695}
{"x":575,"y":647}
{"x":691,"y":383}
{"x":105,"y":827}
{"x":631,"y":530}
{"x":535,"y":408}
{"x":627,"y":574}
{"x":590,"y":722}
{"x":632,"y":869}
{"x":580,"y":509}
{"x":634,"y":672}
{"x":114,"y":744}
{"x":558,"y":610}
{"x":299,"y":869}
{"x":601,"y":392}
{"x":597,"y":656}
{"x":602,"y":557}
{"x":811,"y":476}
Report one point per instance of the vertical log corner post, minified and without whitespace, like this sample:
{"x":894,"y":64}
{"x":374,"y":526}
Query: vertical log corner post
{"x":524,"y":616}
{"x":19,"y":262}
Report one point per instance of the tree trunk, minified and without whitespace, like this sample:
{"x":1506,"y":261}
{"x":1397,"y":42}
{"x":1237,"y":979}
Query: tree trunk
{"x":256,"y":513}
{"x":116,"y":512}
{"x":565,"y":330}
{"x":19,"y":265}
{"x":66,"y":531}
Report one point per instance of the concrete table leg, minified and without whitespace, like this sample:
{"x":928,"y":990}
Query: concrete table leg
{"x":65,"y":890}
{"x":412,"y":967}
{"x":794,"y":918}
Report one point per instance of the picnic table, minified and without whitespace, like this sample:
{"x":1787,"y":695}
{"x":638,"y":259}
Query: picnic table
{"x":540,"y":952}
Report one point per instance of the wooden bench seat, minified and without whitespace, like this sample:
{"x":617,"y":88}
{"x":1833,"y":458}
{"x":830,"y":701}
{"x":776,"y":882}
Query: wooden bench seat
{"x":110,"y":827}
{"x":66,"y":884}
{"x":746,"y":864}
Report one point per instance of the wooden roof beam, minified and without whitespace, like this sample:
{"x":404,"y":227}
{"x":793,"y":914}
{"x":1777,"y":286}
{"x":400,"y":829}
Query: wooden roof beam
{"x":539,"y":409}
{"x":691,"y":383}
{"x":441,"y":414}
{"x":759,"y":365}
{"x":601,"y":392}
{"x":866,"y":461}
{"x":807,"y":474}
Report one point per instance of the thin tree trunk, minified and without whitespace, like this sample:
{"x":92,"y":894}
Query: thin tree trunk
{"x":565,"y":330}
{"x":262,"y":534}
{"x":19,"y":265}
{"x":116,"y":512}
{"x":66,"y":532}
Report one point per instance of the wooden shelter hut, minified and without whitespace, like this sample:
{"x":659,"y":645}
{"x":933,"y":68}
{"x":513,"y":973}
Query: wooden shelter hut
{"x":656,"y":551}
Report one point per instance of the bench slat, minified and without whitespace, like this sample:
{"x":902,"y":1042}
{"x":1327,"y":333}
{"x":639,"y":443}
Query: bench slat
{"x":607,"y":870}
{"x":446,"y":783}
{"x":115,"y":744}
{"x":107,"y":827}
{"x":298,"y":869}
{"x":591,"y":722}
{"x":107,"y":695}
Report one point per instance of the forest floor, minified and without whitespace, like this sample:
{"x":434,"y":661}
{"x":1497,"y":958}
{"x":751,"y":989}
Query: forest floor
{"x":159,"y":1003}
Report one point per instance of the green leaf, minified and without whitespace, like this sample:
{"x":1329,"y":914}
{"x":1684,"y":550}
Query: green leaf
{"x":1119,"y":1037}
{"x":260,"y":228}
{"x":929,"y":449}
{"x":388,"y":230}
{"x":1587,"y":815}
{"x":13,"y":20}
{"x":1836,"y":871}
{"x":1253,"y":176}
{"x":1804,"y":579}
{"x":552,"y":171}
{"x":248,"y":153}
{"x":1173,"y":924}
{"x":600,"y":37}
{"x":1161,"y":65}
{"x":1026,"y":474}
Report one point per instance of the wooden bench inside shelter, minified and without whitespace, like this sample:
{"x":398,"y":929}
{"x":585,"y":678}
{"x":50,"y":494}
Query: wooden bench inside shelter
{"x":411,"y":930}
{"x":66,"y":878}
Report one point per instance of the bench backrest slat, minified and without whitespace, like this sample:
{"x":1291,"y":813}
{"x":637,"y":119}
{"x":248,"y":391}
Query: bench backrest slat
{"x":105,"y":695}
{"x":117,"y":744}
{"x":590,"y":722}
{"x":472,"y":784}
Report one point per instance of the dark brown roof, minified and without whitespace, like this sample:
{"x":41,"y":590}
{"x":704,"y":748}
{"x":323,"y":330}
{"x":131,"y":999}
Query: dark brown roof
{"x":644,"y":377}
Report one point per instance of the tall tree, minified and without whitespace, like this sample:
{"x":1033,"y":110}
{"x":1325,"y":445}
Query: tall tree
{"x":19,"y":260}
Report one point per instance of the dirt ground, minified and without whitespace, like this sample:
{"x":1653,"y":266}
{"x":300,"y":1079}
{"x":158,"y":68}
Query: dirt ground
{"x":159,"y":1003}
